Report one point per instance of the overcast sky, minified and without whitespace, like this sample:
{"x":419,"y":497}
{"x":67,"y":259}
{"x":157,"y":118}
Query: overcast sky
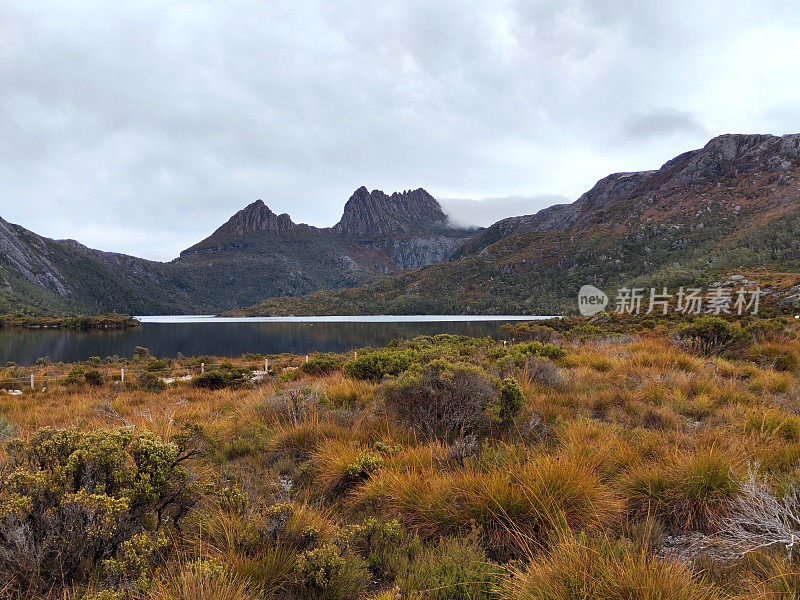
{"x":141,"y":126}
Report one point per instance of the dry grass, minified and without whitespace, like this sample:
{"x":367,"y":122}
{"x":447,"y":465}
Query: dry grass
{"x":613,"y":436}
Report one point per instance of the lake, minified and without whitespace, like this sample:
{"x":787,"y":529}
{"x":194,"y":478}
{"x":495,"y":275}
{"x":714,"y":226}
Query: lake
{"x":166,"y":336}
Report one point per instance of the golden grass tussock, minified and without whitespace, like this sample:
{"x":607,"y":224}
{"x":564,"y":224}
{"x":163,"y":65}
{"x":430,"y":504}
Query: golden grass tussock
{"x":515,"y":505}
{"x":584,"y":568}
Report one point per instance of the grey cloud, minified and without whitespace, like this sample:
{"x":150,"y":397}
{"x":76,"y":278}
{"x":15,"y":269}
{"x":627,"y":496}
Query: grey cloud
{"x":140,"y":127}
{"x":482,"y":213}
{"x":661,"y":122}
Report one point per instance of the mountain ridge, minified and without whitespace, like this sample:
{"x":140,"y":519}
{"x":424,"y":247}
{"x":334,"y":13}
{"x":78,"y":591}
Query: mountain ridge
{"x":733,"y":202}
{"x":256,"y":253}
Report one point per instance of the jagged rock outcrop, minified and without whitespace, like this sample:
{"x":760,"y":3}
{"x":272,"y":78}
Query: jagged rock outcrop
{"x":257,"y":217}
{"x":369,"y":214}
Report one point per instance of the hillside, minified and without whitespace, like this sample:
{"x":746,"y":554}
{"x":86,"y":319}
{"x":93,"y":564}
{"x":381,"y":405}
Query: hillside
{"x":255,"y":254}
{"x":729,"y":206}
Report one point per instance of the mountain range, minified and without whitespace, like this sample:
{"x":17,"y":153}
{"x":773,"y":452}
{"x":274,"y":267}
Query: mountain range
{"x":256,"y":254}
{"x":731,"y":206}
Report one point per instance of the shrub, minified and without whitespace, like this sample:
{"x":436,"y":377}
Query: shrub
{"x":454,"y":569}
{"x":76,"y":377}
{"x":330,"y":573}
{"x":605,"y":569}
{"x":542,"y":371}
{"x":321,"y":364}
{"x":376,"y":365}
{"x":446,"y":401}
{"x":339,"y":465}
{"x":711,"y":336}
{"x":150,"y":382}
{"x":226,"y":376}
{"x":508,"y":402}
{"x":69,"y":500}
{"x":386,"y":546}
{"x":93,"y":377}
{"x":79,"y":376}
{"x":537,"y":349}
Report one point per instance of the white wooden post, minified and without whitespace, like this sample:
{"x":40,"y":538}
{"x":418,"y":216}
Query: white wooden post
{"x":306,"y":357}
{"x":32,"y":386}
{"x":202,"y":368}
{"x":356,"y":358}
{"x":122,"y":375}
{"x":266,"y":365}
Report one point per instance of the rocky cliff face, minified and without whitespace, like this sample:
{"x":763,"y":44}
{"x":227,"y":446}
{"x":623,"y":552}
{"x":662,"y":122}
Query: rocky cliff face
{"x":371,"y":214}
{"x":378,"y":234}
{"x":257,"y":217}
{"x":26,"y":252}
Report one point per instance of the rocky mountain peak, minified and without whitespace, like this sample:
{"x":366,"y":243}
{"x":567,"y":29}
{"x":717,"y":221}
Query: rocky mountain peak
{"x":374,"y":213}
{"x":256,"y":217}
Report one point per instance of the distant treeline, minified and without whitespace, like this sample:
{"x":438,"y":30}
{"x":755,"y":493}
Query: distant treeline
{"x":105,"y":321}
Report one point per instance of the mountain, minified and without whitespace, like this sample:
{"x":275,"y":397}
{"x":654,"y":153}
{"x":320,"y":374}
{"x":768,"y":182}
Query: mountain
{"x":255,"y":254}
{"x":731,"y":206}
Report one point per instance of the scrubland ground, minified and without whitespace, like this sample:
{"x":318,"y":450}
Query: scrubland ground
{"x":607,"y":459}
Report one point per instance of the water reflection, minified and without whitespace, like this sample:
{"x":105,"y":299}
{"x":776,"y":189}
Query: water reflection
{"x":222,"y":339}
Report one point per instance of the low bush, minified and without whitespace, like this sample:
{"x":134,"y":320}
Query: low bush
{"x":377,"y":364}
{"x":79,"y":376}
{"x":322,"y":364}
{"x":225,"y":376}
{"x":454,"y":569}
{"x":330,"y":573}
{"x":711,"y":336}
{"x":339,"y":465}
{"x":386,"y":546}
{"x":446,"y":402}
{"x":150,"y":382}
{"x":200,"y":580}
{"x":72,"y":501}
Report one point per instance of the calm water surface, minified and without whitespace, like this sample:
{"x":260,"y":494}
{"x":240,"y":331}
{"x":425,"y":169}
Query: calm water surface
{"x":200,"y":335}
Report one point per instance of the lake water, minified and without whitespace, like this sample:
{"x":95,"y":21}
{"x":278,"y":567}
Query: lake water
{"x":220,"y":336}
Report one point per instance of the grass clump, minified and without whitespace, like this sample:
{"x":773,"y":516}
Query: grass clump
{"x":453,"y":569}
{"x":582,"y":568}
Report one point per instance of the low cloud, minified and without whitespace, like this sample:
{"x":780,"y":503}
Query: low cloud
{"x":660,"y":123}
{"x":482,"y":213}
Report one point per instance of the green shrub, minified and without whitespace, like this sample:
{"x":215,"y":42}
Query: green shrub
{"x":322,"y":364}
{"x":375,"y":365}
{"x":76,"y":377}
{"x":93,"y":377}
{"x":226,"y":376}
{"x":711,"y":336}
{"x":386,"y":546}
{"x":454,"y":569}
{"x":537,"y":349}
{"x":330,"y":573}
{"x":508,"y":402}
{"x":150,"y":382}
{"x":72,"y":501}
{"x":79,"y":376}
